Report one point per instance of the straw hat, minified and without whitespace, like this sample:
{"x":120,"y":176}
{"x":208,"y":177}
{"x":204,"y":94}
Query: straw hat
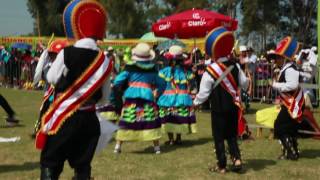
{"x":142,"y":52}
{"x":175,"y":52}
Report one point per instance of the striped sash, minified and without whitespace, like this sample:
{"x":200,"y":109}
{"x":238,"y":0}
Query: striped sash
{"x":293,"y":103}
{"x":228,"y":83}
{"x":46,"y":96}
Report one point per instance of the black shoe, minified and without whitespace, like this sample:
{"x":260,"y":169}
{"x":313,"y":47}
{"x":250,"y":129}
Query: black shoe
{"x":218,"y":169}
{"x":12,"y":121}
{"x":170,"y":142}
{"x":236,"y":165}
{"x":178,"y":142}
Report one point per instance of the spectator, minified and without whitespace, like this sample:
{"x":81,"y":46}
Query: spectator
{"x":243,"y":55}
{"x":252,"y":59}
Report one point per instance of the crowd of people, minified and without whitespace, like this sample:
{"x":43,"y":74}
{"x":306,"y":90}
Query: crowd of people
{"x":17,"y":66}
{"x":18,"y":69}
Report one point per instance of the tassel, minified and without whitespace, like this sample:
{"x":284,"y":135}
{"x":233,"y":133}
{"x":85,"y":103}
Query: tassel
{"x":41,"y":140}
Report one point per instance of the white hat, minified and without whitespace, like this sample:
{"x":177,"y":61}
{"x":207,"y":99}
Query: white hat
{"x":110,"y":48}
{"x":175,"y":50}
{"x":142,"y":52}
{"x":243,"y":48}
{"x":271,"y":51}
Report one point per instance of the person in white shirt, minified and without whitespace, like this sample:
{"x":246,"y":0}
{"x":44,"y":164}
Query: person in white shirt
{"x":308,"y":60}
{"x":252,"y":58}
{"x":291,"y":96}
{"x":70,"y":127}
{"x":220,"y":81}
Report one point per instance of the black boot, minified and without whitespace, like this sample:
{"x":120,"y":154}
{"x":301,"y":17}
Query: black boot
{"x":295,"y":146}
{"x":287,"y":143}
{"x":283,"y":155}
{"x":220,"y":154}
{"x":83,"y":173}
{"x":235,"y":154}
{"x":50,"y":173}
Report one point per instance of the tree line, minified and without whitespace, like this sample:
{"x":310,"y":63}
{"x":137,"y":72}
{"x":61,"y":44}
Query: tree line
{"x":260,"y":21}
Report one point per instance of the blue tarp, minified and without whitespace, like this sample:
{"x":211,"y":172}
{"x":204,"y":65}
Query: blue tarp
{"x":22,"y":46}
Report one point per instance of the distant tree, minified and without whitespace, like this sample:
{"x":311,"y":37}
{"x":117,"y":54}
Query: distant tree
{"x":126,"y":18}
{"x":298,"y":18}
{"x":47,"y":15}
{"x":227,"y":7}
{"x":181,"y":5}
{"x":260,"y":17}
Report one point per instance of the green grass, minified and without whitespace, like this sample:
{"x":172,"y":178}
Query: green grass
{"x":190,"y":161}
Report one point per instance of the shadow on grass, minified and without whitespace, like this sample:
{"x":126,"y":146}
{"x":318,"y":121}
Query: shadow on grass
{"x":310,"y":153}
{"x":258,"y":164}
{"x":27,"y":166}
{"x":16,"y":126}
{"x":168,"y":148}
{"x":251,"y":111}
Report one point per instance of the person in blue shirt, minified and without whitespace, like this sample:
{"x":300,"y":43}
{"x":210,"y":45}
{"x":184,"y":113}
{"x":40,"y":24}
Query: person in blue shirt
{"x":175,"y":103}
{"x":139,"y":120}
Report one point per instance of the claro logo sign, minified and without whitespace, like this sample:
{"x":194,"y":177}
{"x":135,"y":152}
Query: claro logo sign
{"x":164,"y":26}
{"x":196,"y":16}
{"x":198,"y":21}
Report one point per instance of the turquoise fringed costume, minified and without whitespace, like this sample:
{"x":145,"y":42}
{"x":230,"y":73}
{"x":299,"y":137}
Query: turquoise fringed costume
{"x":175,"y":103}
{"x":139,"y":118}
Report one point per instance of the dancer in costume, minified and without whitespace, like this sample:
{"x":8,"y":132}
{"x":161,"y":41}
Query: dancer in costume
{"x":70,"y":128}
{"x":291,"y":96}
{"x":221,"y":82}
{"x":139,"y":120}
{"x":175,"y":103}
{"x":46,"y":59}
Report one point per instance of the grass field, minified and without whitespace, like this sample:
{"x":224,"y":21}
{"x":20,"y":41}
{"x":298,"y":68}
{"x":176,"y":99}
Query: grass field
{"x":189,"y":161}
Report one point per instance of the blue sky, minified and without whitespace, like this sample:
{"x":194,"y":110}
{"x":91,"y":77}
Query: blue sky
{"x":15,"y":18}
